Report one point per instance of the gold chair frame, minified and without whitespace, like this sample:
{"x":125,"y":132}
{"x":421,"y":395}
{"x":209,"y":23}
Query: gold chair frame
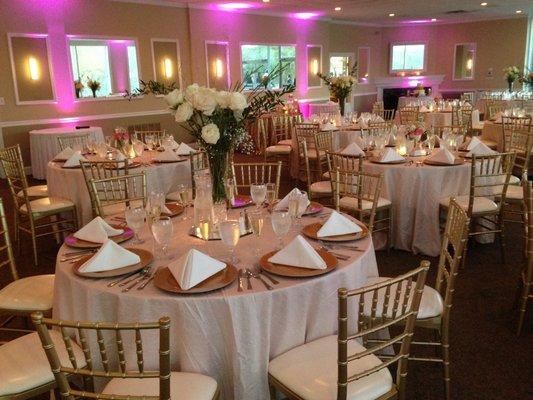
{"x":409,"y":115}
{"x":158,"y":135}
{"x":527,"y":271}
{"x":306,"y":133}
{"x":244,"y":174}
{"x":309,"y":175}
{"x":72,"y":140}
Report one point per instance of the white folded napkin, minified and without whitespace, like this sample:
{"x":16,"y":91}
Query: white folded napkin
{"x":299,"y":253}
{"x":443,"y":155}
{"x":193,"y":268}
{"x":110,"y":256}
{"x":74,"y":160}
{"x":448,"y":107}
{"x":97,"y":231}
{"x":328,"y":127}
{"x":120,"y":156}
{"x":173,"y":144}
{"x":184,"y":149}
{"x":65,"y":154}
{"x":338,"y":224}
{"x":423,"y":109}
{"x":167,"y":155}
{"x":475,"y":117}
{"x":480,"y":150}
{"x":390,"y":155}
{"x":284,"y":202}
{"x":353,"y":150}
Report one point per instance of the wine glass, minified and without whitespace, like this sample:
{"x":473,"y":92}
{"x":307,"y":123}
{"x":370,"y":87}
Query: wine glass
{"x":270,"y":193}
{"x":258,"y":193}
{"x":229,"y":185}
{"x":150,"y":141}
{"x":204,"y":226}
{"x":281,"y":223}
{"x":135,"y":218}
{"x":185,"y":193}
{"x":257,"y":221}
{"x":155,"y":201}
{"x":138,"y":147}
{"x":162,"y":230}
{"x":230,"y":234}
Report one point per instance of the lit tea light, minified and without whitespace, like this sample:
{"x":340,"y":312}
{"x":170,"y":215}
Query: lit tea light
{"x":402,"y":150}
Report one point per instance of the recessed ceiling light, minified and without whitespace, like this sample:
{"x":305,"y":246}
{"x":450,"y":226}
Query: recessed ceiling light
{"x":266,"y":1}
{"x":519,"y":11}
{"x":433,"y":19}
{"x":483,"y":4}
{"x":392,"y":15}
{"x":338,"y":8}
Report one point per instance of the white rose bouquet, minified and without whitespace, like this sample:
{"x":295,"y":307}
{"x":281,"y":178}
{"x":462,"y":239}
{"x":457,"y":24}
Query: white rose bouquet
{"x":340,"y":87}
{"x":511,"y":74}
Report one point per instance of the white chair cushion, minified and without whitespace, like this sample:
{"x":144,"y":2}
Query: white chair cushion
{"x":24,"y":366}
{"x":183,"y":385}
{"x":310,"y":371}
{"x":47,"y":204}
{"x":481,"y":204}
{"x":321,"y":187}
{"x":514,"y":180}
{"x":514,"y":193}
{"x":431,"y":304}
{"x":34,"y":293}
{"x":35,"y":191}
{"x":350,"y":203}
{"x":278,"y":149}
{"x":285,"y":142}
{"x":311,"y":153}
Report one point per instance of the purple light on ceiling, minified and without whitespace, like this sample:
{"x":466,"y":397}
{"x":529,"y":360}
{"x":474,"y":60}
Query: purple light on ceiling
{"x":234,"y":6}
{"x":418,"y":21}
{"x":305,"y":15}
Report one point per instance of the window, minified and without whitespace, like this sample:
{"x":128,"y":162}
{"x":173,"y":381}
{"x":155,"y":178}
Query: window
{"x":339,"y":65}
{"x":408,"y":57}
{"x":133,"y":71}
{"x":258,"y":60}
{"x":90,"y":60}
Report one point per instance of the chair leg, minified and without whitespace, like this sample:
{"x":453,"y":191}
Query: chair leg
{"x":389,"y":231}
{"x":272,"y":390}
{"x":502,"y":238}
{"x":463,"y":260}
{"x":34,"y":243}
{"x":522,"y":308}
{"x":446,"y":367}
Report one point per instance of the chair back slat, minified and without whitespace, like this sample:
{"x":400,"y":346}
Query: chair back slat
{"x":245,"y":174}
{"x":158,"y":135}
{"x":344,"y":162}
{"x":139,"y":350}
{"x":407,"y":316}
{"x":75,"y":142}
{"x":153,"y":126}
{"x":13,"y":165}
{"x":409,"y":115}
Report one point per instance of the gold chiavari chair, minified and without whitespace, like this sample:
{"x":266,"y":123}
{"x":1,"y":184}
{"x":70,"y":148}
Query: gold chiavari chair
{"x":37,"y":217}
{"x":158,"y":136}
{"x":281,"y":151}
{"x":388,"y":115}
{"x":245,"y":174}
{"x":112,"y":195}
{"x":468,"y":96}
{"x":527,"y":272}
{"x":409,"y":115}
{"x":324,"y":143}
{"x":514,"y":124}
{"x":457,"y":118}
{"x":23,"y":295}
{"x":101,"y":170}
{"x":73,"y":141}
{"x":344,"y":162}
{"x":489,"y":179}
{"x":199,"y":161}
{"x":126,"y":382}
{"x":340,"y":363}
{"x":306,"y":132}
{"x":315,"y":189}
{"x":378,"y":107}
{"x":466,"y":118}
{"x":13,"y":153}
{"x":155,"y":126}
{"x":282,"y":126}
{"x":494,"y":108}
{"x":436,"y":303}
{"x":379,"y":127}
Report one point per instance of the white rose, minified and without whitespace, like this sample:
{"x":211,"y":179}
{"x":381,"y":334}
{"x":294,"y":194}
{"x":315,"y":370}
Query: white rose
{"x":184,"y":112}
{"x":237,"y":101}
{"x":223,"y":99}
{"x":204,"y":100}
{"x":210,"y":133}
{"x":191,"y":90}
{"x":174,"y":98}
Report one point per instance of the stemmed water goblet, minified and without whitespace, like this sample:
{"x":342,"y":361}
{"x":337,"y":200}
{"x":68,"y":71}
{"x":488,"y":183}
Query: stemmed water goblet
{"x":230,"y":234}
{"x":281,"y":224}
{"x":162,"y":230}
{"x":135,"y":219}
{"x":258,"y":191}
{"x":185,"y":192}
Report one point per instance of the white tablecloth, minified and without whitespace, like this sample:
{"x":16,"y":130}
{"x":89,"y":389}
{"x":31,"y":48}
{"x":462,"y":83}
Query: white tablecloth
{"x":341,"y":139}
{"x":69,"y":183}
{"x":329,"y":107}
{"x":440,"y":118}
{"x":481,"y":104}
{"x":415,"y":193}
{"x":225,"y":334}
{"x":44,"y":145}
{"x":412,"y":100}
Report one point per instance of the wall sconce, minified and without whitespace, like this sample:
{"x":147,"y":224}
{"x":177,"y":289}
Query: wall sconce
{"x":219,"y":68}
{"x":469,"y":64}
{"x":314,"y":67}
{"x":33,"y":67}
{"x":167,"y":67}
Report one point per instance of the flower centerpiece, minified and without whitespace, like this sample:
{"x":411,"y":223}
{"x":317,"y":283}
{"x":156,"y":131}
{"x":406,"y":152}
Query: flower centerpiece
{"x":123,"y":142}
{"x":527,"y":80}
{"x":341,"y":86}
{"x":94,"y":85}
{"x":219,"y":119}
{"x":512,"y":73}
{"x":78,"y":87}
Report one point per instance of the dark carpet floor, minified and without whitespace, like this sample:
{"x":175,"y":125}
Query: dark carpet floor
{"x":489,"y":361}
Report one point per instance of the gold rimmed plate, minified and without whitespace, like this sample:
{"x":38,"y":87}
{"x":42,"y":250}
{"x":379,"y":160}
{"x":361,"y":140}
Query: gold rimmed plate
{"x":298,"y":272}
{"x":174,"y":208}
{"x":312,"y":208}
{"x":164,"y":280}
{"x":311,"y":231}
{"x":457,"y":161}
{"x":169,"y":161}
{"x":72,"y":241}
{"x":146,"y":258}
{"x":377,"y":161}
{"x":121,"y":165}
{"x":242,"y":200}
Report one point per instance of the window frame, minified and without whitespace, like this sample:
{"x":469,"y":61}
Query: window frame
{"x":474,"y":61}
{"x":408,"y":43}
{"x":269,"y":44}
{"x":100,"y":38}
{"x":154,"y":67}
{"x":350,"y":55}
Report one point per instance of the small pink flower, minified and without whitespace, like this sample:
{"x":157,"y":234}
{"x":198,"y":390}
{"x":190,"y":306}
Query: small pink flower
{"x":418,"y":132}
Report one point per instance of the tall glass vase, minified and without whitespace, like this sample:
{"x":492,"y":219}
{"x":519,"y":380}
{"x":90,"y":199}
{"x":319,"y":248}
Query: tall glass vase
{"x":510,"y":83}
{"x":219,"y":163}
{"x":342,"y":105}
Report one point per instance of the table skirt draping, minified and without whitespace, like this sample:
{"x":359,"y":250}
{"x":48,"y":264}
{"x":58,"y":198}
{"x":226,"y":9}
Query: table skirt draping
{"x":225,"y":334}
{"x":329,"y":107}
{"x":441,"y":118}
{"x":415,"y":193}
{"x":44,"y":145}
{"x":70,"y":183}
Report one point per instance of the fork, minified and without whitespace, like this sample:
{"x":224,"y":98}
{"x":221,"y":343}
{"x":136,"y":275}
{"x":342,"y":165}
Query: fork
{"x":248,"y":280}
{"x":342,"y":246}
{"x":335,"y":254}
{"x":142,"y":272}
{"x":241,"y":287}
{"x":249,"y":273}
{"x":148,"y":279}
{"x":136,"y":281}
{"x":258,"y":270}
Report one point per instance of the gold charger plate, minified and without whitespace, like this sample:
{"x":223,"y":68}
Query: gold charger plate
{"x":376,"y":161}
{"x":457,"y":161}
{"x":164,"y":280}
{"x":116,"y":166}
{"x":72,"y":241}
{"x":311,"y":231}
{"x":146,"y":258}
{"x":174,"y":208}
{"x":169,"y":161}
{"x":313,"y":208}
{"x":298,"y":272}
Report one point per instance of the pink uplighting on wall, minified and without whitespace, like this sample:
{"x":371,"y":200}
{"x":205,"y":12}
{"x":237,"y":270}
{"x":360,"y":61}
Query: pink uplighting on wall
{"x":305,"y":15}
{"x":234,"y":6}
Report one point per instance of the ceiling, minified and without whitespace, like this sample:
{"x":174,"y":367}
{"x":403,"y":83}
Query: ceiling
{"x":373,"y":12}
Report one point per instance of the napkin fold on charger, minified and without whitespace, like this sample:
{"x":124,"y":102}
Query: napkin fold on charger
{"x":97,"y":231}
{"x":338,"y":224}
{"x":167,"y":155}
{"x":109,"y":257}
{"x":299,"y":253}
{"x":480,"y":150}
{"x":390,"y":155}
{"x":284,"y":202}
{"x":184,"y":149}
{"x":74,"y":160}
{"x":353,"y":150}
{"x":193,"y":268}
{"x":443,"y":155}
{"x":65,"y":154}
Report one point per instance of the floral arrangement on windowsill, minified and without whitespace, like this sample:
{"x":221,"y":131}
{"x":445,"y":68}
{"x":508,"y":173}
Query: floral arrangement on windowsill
{"x":340,"y":87}
{"x":94,"y":85}
{"x":511,"y":73}
{"x":527,"y":79}
{"x":78,"y":87}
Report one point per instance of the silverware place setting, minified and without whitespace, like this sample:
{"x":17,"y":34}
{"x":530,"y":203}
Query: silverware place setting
{"x":257,"y":276}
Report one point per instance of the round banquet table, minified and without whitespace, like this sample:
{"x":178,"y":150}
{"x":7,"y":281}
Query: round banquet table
{"x":226,"y":334}
{"x":437,"y":118}
{"x":415,"y":192}
{"x":69,"y":183}
{"x":44,"y":145}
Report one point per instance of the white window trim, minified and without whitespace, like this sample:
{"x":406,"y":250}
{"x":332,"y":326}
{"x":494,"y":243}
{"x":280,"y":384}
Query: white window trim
{"x":418,"y":42}
{"x":359,"y":81}
{"x":473,"y":64}
{"x":321,"y":63}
